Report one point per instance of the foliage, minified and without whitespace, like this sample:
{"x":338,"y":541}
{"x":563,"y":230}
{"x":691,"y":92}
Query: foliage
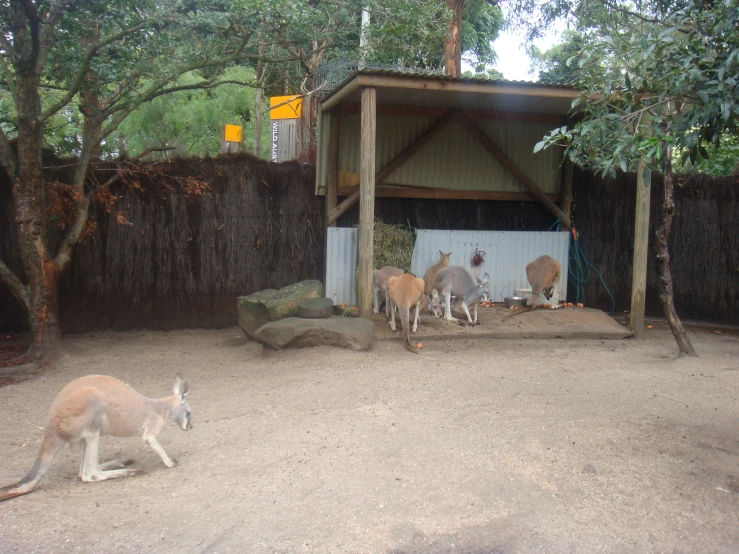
{"x":671,"y":82}
{"x":481,"y":24}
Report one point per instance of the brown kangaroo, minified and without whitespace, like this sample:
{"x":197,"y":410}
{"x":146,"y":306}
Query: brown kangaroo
{"x":97,"y":405}
{"x":428,"y":278}
{"x":405,"y":292}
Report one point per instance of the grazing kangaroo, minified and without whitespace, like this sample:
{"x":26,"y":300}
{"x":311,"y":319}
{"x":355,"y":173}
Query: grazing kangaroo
{"x":543,"y":276}
{"x":428,"y":278}
{"x":379,"y":285}
{"x":97,"y":405}
{"x":456,"y":281}
{"x":405,"y":292}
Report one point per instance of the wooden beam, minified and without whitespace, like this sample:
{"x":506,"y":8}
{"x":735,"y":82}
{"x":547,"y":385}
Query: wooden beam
{"x":332,"y":166}
{"x":641,"y":245}
{"x":506,"y":162}
{"x":448,"y":194}
{"x":339,"y":96}
{"x":368,"y":131}
{"x":418,"y":111}
{"x":424,"y":83}
{"x":566,"y":205}
{"x":396,"y":162}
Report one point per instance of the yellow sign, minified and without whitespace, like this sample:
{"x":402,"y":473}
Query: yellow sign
{"x":287,"y":107}
{"x":232,"y":133}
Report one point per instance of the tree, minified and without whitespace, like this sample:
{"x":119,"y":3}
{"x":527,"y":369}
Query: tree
{"x":92,"y":63}
{"x":668,"y":80}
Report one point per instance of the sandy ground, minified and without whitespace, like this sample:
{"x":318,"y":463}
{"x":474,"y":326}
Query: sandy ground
{"x":474,"y":446}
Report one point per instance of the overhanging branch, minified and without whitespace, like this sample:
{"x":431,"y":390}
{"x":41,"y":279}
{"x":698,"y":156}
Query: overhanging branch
{"x":19,"y":290}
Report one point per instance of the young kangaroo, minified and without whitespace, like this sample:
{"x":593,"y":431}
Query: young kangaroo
{"x":456,"y":281}
{"x":428,"y":278}
{"x":379,"y":285}
{"x":543,"y":276}
{"x":97,"y":405}
{"x":405,"y":292}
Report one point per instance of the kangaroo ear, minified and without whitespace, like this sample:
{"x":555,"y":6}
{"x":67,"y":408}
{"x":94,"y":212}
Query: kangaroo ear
{"x":177,"y":383}
{"x":184,"y":389}
{"x":441,"y":253}
{"x":485,"y":278}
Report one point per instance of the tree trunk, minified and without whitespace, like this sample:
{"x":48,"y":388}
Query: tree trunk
{"x":258,"y":101}
{"x":28,"y":192}
{"x":663,"y":260}
{"x":453,"y":41}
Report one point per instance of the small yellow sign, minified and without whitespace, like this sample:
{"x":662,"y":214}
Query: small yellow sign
{"x":232,"y":133}
{"x":288,"y":107}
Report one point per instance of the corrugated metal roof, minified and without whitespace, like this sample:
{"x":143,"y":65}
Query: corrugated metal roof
{"x":406,"y":88}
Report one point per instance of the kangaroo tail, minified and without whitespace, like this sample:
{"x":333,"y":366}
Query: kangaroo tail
{"x":49,"y":449}
{"x":405,"y":320}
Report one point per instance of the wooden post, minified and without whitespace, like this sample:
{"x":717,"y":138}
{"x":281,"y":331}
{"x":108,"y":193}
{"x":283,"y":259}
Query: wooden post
{"x":366,"y":201}
{"x":566,"y":196}
{"x":641,"y":244}
{"x":332,"y":166}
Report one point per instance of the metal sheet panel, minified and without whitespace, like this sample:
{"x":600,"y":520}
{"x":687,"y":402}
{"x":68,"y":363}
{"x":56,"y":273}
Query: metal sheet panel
{"x":341,"y":264}
{"x":507,"y":253}
{"x":454,"y":159}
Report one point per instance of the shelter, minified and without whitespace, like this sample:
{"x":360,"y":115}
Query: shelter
{"x":405,"y":135}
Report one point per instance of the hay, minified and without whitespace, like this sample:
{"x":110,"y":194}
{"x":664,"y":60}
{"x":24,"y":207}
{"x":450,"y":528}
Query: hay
{"x":393,"y":245}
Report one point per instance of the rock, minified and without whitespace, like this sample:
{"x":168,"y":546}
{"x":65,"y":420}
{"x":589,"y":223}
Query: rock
{"x":316,"y":307}
{"x":354,"y":333}
{"x":271,"y":305}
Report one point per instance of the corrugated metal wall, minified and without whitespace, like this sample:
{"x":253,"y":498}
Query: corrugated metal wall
{"x":341,"y":264}
{"x":454,"y":159}
{"x":507,"y":253}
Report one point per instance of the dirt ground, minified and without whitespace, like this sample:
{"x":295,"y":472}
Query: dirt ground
{"x":474,"y":446}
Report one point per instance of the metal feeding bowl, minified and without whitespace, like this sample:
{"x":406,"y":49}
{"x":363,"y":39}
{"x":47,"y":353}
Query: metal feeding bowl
{"x":518,"y":301}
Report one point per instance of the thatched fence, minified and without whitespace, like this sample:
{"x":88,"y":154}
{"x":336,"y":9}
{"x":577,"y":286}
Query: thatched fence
{"x":704,"y":245}
{"x":185,"y":259}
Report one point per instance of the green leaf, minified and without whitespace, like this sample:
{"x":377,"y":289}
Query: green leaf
{"x":540,"y":146}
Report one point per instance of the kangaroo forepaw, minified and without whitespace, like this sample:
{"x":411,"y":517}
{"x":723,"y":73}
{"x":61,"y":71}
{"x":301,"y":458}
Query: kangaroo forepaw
{"x":172,"y":463}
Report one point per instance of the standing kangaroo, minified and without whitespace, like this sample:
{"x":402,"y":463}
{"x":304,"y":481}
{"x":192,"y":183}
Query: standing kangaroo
{"x":97,"y":405}
{"x":379,"y":285}
{"x":405,"y":292}
{"x":428,"y":278}
{"x":456,"y":281}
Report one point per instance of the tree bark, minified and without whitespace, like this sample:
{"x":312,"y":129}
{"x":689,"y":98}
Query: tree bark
{"x":453,"y":41}
{"x":663,"y":261}
{"x":259,"y":100}
{"x":29,"y":195}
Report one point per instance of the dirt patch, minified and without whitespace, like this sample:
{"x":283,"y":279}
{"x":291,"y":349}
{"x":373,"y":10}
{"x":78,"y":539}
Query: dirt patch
{"x":472,"y":446}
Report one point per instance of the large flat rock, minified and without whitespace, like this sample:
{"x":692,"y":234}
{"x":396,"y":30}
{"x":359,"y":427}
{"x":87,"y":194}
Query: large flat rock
{"x":271,"y":305}
{"x":347,"y":332}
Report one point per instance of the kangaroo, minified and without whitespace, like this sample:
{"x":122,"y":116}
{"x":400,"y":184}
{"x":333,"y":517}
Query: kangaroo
{"x":97,"y":405}
{"x":405,"y":292}
{"x":543,"y":276}
{"x":428,"y":278}
{"x":456,"y":281}
{"x":379,"y":285}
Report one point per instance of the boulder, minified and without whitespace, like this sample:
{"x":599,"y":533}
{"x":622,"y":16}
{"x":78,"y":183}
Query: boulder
{"x":271,"y":305}
{"x":354,"y":333}
{"x":316,"y":307}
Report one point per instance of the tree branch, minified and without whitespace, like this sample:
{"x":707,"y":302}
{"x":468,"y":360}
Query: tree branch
{"x":19,"y":290}
{"x":80,"y":78}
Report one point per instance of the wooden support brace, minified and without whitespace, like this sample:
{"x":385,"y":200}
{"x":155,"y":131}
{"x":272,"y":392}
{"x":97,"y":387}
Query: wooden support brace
{"x":506,"y":162}
{"x":396,"y":162}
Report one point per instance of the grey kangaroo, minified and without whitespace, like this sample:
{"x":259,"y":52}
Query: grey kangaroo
{"x":97,"y":405}
{"x":456,"y":281}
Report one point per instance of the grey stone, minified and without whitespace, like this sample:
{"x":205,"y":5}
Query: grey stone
{"x":271,"y":305}
{"x":317,"y":307}
{"x":354,"y":333}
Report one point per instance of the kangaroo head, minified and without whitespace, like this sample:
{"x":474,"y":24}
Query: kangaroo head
{"x":444,"y":257}
{"x":548,"y":292}
{"x":181,"y":413}
{"x":484,"y":288}
{"x":434,"y":305}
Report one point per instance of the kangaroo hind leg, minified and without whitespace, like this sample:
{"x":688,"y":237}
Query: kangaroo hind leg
{"x":90,"y":469}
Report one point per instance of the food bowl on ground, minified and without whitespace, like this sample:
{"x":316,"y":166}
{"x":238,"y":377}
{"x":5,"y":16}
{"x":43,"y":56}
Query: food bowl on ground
{"x":517,"y":301}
